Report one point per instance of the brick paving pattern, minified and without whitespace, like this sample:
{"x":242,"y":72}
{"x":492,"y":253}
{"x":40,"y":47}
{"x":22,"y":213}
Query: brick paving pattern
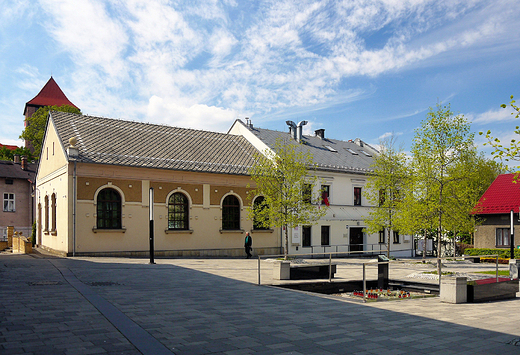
{"x":212,"y":306}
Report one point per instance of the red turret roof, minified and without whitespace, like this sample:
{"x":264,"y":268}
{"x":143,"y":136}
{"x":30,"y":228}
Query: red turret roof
{"x":49,"y":95}
{"x":501,"y":197}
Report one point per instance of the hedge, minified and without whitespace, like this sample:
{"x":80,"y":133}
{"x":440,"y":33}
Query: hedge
{"x":502,"y":253}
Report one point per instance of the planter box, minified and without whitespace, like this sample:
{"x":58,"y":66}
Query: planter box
{"x":490,"y":290}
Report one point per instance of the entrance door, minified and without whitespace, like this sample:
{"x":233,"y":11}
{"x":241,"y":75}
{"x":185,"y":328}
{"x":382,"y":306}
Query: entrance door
{"x":356,"y":239}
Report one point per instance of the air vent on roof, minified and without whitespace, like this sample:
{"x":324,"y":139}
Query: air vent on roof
{"x":368,"y":155}
{"x":330,"y":148}
{"x":351,"y":151}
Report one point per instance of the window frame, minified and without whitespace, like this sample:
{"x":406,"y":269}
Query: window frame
{"x":230,"y":213}
{"x":306,"y":236}
{"x":53,"y":212}
{"x":9,"y":204}
{"x":396,"y":237}
{"x":357,"y":199}
{"x":382,"y":236}
{"x":101,"y":206}
{"x":325,"y":192}
{"x":258,"y":200}
{"x":503,"y":245}
{"x":184,"y":213}
{"x":327,"y":235}
{"x":46,"y":212}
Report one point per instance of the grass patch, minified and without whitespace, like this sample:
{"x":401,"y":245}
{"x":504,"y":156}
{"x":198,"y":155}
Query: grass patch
{"x":500,"y":272}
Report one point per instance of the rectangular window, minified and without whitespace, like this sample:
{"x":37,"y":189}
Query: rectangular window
{"x":396,"y":237}
{"x":325,"y":194}
{"x":307,"y":193}
{"x":357,"y":196}
{"x":8,"y":181}
{"x":325,"y":235}
{"x":502,"y":237}
{"x":9,"y":205}
{"x":306,"y":237}
{"x":382,"y":236}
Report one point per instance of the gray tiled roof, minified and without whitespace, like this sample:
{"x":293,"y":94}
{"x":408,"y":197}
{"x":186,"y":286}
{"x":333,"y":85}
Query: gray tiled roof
{"x":118,"y":142}
{"x":340,"y":160}
{"x":12,"y":170}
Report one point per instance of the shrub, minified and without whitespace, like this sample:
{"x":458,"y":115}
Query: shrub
{"x":502,"y":253}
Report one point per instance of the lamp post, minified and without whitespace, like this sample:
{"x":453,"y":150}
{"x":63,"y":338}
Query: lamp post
{"x":151,"y":228}
{"x":512,"y":239}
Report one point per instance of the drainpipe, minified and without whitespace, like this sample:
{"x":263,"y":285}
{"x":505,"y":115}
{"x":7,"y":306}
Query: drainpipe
{"x":74,"y":197}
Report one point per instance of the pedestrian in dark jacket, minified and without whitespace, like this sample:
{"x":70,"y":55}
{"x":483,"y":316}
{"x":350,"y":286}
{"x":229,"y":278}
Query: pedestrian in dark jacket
{"x":248,"y":242}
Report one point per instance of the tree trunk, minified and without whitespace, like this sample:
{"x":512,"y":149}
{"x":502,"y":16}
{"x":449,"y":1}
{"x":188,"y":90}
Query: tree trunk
{"x":286,"y":249}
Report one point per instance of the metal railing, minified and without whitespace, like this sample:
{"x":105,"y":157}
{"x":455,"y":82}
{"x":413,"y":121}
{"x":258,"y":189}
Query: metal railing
{"x":364,"y":264}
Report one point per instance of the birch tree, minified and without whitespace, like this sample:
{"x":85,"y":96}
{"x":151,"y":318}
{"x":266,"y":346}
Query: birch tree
{"x":281,"y":176}
{"x":384,"y":189}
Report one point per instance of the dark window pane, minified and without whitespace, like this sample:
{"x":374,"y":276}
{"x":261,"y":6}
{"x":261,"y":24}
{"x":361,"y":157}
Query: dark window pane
{"x":108,"y":209}
{"x":178,"y":212}
{"x":230,"y":213}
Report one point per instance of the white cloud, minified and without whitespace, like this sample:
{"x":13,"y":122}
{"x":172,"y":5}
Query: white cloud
{"x":200,"y":59}
{"x":493,"y":116}
{"x":171,"y":112}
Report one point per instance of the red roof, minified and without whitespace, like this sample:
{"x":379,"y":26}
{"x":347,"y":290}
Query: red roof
{"x":49,"y":95}
{"x":501,"y":197}
{"x":10,"y":147}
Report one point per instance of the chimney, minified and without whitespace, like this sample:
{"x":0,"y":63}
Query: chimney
{"x":249,"y":122}
{"x":17,"y":158}
{"x":24,"y":163}
{"x":320,"y":133}
{"x":292,"y":129}
{"x":72,"y":151}
{"x":299,"y":130}
{"x":358,"y":142}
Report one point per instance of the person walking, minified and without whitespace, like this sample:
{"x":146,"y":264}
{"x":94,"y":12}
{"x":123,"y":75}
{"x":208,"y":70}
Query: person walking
{"x":248,"y":242}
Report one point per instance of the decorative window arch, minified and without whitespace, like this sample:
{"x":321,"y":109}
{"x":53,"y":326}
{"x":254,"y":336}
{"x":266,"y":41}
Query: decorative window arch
{"x":53,"y":212}
{"x":178,"y":211}
{"x":258,"y":205}
{"x":109,"y":209}
{"x":230,"y":213}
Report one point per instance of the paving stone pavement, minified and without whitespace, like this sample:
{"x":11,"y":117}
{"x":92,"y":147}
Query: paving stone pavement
{"x":55,"y":305}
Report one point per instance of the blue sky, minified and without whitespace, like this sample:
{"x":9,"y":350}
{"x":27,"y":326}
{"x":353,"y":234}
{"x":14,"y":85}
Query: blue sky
{"x":357,"y":68}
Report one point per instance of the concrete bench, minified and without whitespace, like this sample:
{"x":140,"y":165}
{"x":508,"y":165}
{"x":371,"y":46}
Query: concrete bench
{"x":283,"y":270}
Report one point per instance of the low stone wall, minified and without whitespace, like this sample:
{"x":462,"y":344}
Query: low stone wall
{"x":199,"y":253}
{"x":21,"y":244}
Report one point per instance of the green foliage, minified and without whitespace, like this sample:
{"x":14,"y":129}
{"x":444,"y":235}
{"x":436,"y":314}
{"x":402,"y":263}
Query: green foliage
{"x":384,"y":189}
{"x":511,"y":153}
{"x":502,"y":253}
{"x":280,"y":177}
{"x":8,"y":154}
{"x":33,"y":234}
{"x":37,"y":123}
{"x":440,"y":144}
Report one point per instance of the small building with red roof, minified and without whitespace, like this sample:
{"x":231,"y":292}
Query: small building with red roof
{"x":494,"y":207}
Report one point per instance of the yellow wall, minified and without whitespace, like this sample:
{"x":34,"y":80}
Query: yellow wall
{"x":205,"y":192}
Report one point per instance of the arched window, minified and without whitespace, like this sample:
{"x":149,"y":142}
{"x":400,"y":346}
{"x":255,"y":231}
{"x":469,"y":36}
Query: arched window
{"x":230,"y":213}
{"x":259,"y":208}
{"x":46,"y":211}
{"x":53,"y":214}
{"x":108,"y":209}
{"x":178,"y":212}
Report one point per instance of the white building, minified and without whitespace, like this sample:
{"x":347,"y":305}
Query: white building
{"x":342,"y":169}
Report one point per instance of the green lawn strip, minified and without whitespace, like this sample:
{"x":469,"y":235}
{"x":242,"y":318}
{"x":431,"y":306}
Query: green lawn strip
{"x":493,"y":272}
